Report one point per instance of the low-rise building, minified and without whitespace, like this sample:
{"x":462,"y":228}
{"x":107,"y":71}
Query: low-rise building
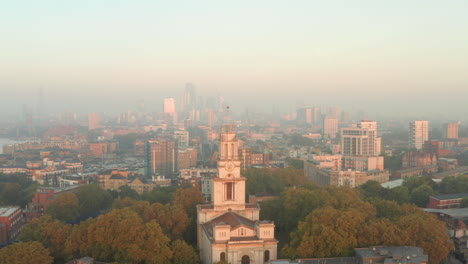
{"x":11,"y":222}
{"x":455,"y":220}
{"x":371,"y":255}
{"x":446,"y":201}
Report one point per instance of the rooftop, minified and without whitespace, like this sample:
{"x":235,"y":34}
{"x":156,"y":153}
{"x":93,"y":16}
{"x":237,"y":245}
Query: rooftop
{"x":393,"y":254}
{"x":345,"y":260}
{"x":450,"y":196}
{"x":7,"y":211}
{"x":456,"y":213}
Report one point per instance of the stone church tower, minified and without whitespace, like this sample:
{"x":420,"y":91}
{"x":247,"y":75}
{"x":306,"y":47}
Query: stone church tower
{"x":228,"y":228}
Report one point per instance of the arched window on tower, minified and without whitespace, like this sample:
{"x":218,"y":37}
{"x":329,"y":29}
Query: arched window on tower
{"x":222,"y":256}
{"x":229,"y":191}
{"x":266,"y":256}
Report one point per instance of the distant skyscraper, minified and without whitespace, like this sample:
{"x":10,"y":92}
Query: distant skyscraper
{"x":169,"y":106}
{"x":93,"y":121}
{"x":330,"y":126}
{"x":450,"y":130}
{"x":316,"y":115}
{"x":334,"y":112}
{"x":418,"y":133}
{"x":170,"y":114}
{"x":304,"y":115}
{"x":161,"y":157}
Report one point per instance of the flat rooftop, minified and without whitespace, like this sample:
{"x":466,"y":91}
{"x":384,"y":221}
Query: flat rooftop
{"x":456,"y":213}
{"x":7,"y":211}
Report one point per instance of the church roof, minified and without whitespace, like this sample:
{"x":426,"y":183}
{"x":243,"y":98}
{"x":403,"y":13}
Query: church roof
{"x":232,"y":219}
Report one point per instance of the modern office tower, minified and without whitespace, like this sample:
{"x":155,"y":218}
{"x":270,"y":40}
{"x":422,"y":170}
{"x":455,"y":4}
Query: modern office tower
{"x":170,"y":115}
{"x":330,"y":127}
{"x":169,"y":106}
{"x":93,"y":121}
{"x":316,"y":115}
{"x":161,"y":157}
{"x":182,"y":137}
{"x":344,"y":116}
{"x":304,"y":115}
{"x":360,"y":140}
{"x":361,"y":147}
{"x":334,"y":112}
{"x":188,"y":98}
{"x":450,"y":130}
{"x":229,"y":229}
{"x":211,"y":118}
{"x":418,"y":133}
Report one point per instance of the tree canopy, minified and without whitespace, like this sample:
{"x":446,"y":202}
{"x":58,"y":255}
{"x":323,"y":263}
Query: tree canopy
{"x":331,"y":221}
{"x":25,"y":253}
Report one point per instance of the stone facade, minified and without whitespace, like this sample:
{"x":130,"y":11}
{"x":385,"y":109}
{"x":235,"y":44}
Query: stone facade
{"x":229,"y":229}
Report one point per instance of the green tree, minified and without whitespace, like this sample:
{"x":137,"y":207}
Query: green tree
{"x":92,"y":200}
{"x":161,"y":195}
{"x":371,"y":189}
{"x":25,"y":253}
{"x":464,"y":202}
{"x":10,"y":193}
{"x":65,"y":207}
{"x":414,"y":182}
{"x":454,"y":185}
{"x":126,"y":191}
{"x":420,"y":195}
{"x":398,"y":194}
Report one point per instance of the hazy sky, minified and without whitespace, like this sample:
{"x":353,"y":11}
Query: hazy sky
{"x":401,"y":55}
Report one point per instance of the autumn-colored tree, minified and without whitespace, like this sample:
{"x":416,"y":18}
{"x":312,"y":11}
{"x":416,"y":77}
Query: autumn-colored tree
{"x":76,"y":244}
{"x":49,"y":232}
{"x":380,"y":231}
{"x":345,"y":222}
{"x":65,"y":207}
{"x":122,"y":236}
{"x":329,"y":232}
{"x":183,"y":253}
{"x":426,"y":231}
{"x":172,"y":218}
{"x":188,"y":198}
{"x":25,"y":253}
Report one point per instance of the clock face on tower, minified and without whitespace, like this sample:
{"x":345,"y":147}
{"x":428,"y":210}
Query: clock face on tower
{"x":229,"y":166}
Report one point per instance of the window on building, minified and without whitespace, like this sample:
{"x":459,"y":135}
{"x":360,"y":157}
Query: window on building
{"x":222,"y":256}
{"x":266,"y":256}
{"x":229,"y":191}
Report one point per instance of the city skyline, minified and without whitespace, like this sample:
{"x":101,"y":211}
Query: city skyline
{"x":388,"y":58}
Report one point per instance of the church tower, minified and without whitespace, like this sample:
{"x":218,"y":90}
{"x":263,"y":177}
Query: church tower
{"x":229,"y":228}
{"x":228,"y":189}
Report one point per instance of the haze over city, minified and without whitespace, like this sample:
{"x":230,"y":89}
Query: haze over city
{"x":234,"y":132}
{"x":391,"y":58}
